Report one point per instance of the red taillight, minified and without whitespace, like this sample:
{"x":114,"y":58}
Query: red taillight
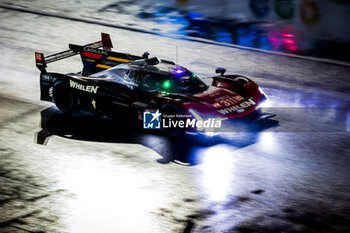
{"x":38,"y":57}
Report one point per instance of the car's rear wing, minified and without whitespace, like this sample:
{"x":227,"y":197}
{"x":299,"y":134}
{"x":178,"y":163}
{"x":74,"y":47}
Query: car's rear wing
{"x":94,"y":59}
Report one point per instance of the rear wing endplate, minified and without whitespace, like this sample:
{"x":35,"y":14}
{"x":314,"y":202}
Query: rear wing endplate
{"x":41,"y":60}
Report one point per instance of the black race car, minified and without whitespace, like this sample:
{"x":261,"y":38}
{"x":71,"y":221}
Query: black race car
{"x":114,"y":84}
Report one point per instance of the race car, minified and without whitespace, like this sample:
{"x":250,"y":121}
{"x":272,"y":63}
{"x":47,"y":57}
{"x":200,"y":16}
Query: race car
{"x":120,"y":84}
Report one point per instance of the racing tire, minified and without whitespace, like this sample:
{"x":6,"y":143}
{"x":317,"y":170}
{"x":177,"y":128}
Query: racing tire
{"x":63,"y":97}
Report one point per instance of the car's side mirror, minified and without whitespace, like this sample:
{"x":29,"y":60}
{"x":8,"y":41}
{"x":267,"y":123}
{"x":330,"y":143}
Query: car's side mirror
{"x":145,"y":55}
{"x":220,"y":70}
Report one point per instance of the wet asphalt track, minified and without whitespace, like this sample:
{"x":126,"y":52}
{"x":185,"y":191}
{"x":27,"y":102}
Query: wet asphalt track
{"x":93,"y":175}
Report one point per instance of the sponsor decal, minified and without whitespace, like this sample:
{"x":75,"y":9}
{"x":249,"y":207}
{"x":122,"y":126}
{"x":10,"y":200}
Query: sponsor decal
{"x":232,"y":100}
{"x":222,"y":98}
{"x":87,"y":88}
{"x":93,"y":50}
{"x":51,"y":91}
{"x":238,"y":108}
{"x":227,"y":101}
{"x":93,"y":102}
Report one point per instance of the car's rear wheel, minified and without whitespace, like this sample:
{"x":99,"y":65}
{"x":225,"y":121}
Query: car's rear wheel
{"x":63,"y":97}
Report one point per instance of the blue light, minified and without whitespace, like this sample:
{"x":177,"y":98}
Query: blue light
{"x":196,"y":16}
{"x":87,"y":63}
{"x":179,"y":71}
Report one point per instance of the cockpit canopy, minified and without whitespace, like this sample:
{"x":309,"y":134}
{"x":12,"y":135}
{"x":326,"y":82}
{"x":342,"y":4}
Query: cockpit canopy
{"x":162,"y":76}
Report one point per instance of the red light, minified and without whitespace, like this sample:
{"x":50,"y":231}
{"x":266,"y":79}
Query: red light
{"x":288,"y":35}
{"x":291,"y":45}
{"x":38,"y":57}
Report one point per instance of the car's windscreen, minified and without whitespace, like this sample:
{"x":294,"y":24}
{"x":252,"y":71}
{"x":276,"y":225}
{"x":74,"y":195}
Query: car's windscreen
{"x":112,"y":73}
{"x":121,"y":75}
{"x":184,"y":82}
{"x":187,"y":83}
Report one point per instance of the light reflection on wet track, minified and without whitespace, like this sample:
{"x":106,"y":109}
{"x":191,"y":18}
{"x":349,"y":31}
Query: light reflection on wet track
{"x":217,"y":165}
